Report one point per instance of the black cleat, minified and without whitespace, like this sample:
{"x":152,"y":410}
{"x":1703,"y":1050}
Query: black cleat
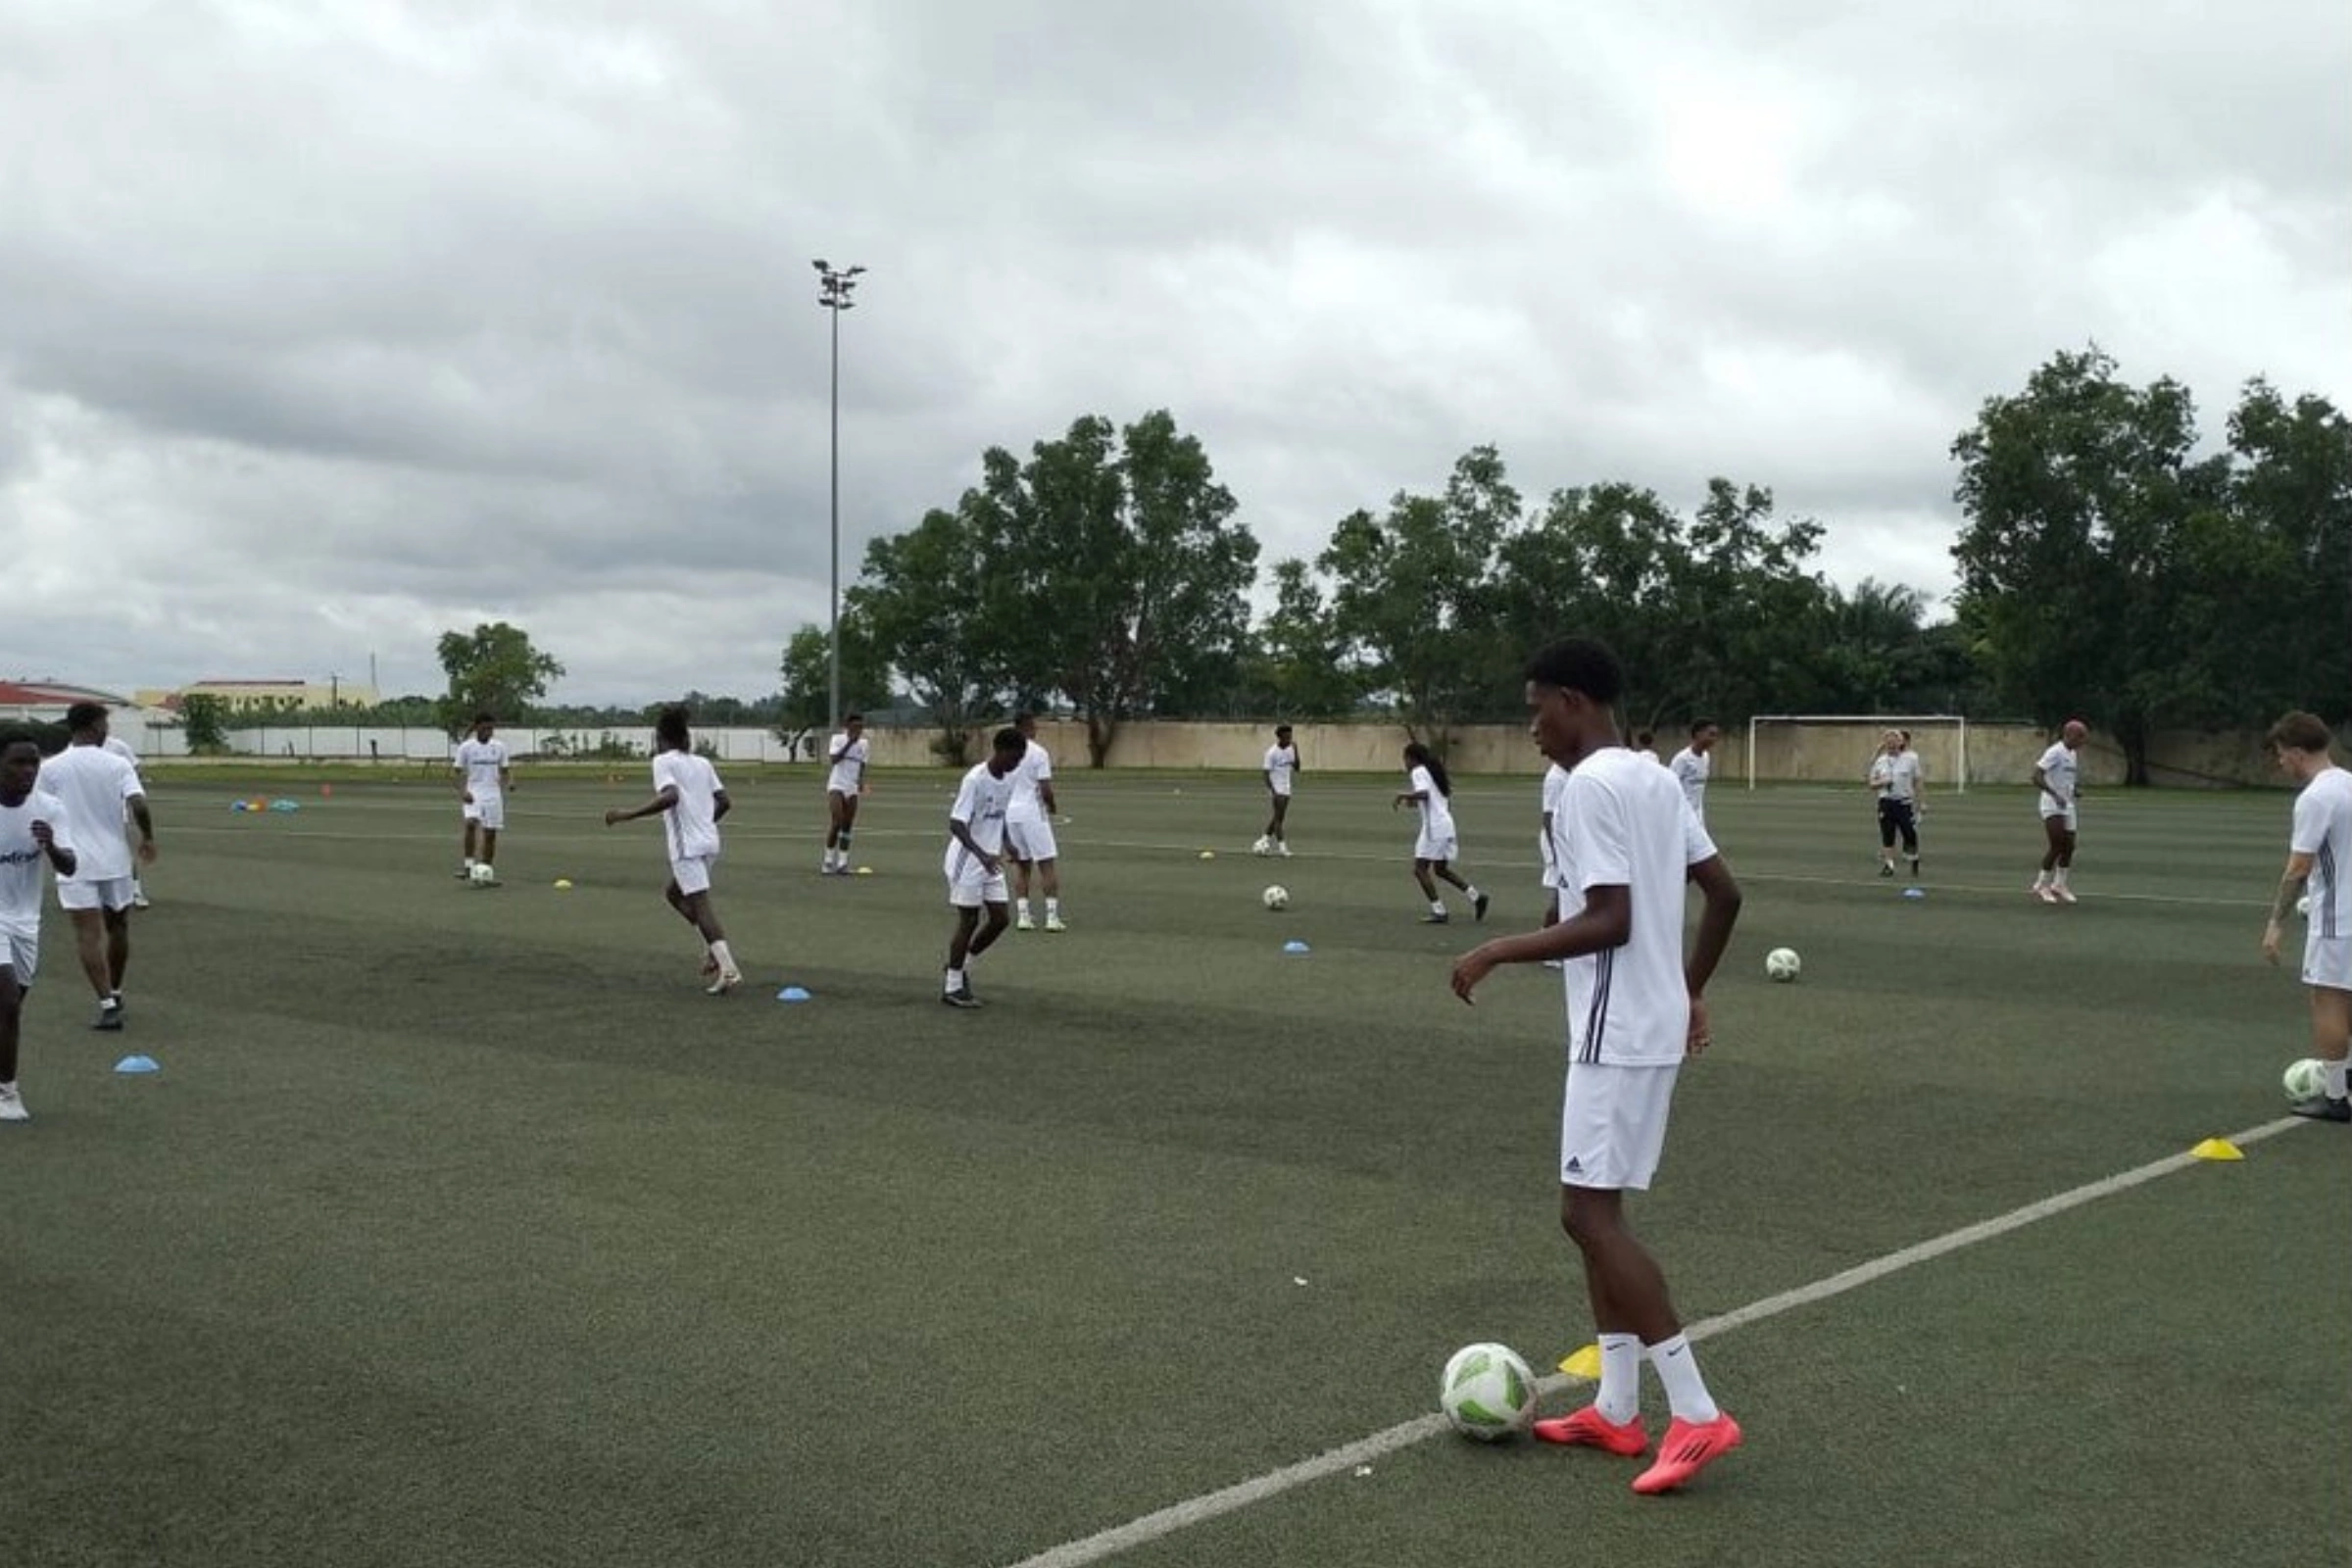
{"x":2319,"y":1108}
{"x":960,"y":999}
{"x":110,"y":1016}
{"x":1478,"y":908}
{"x":1437,"y":917}
{"x":1886,"y":869}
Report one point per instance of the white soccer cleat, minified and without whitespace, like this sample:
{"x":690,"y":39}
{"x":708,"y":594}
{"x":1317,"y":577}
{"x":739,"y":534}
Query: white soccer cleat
{"x":2045,"y":893}
{"x":1053,"y":923}
{"x":1262,"y":847}
{"x":728,"y":980}
{"x":1283,"y":849}
{"x":1024,"y":923}
{"x":12,"y":1104}
{"x":2065,"y":894}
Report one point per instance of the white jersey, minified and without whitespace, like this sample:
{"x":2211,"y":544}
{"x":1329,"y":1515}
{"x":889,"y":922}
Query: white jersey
{"x":21,"y":858}
{"x":2059,"y":771}
{"x":848,"y":769}
{"x":484,"y":765}
{"x":1624,"y":823}
{"x":1282,"y":767}
{"x":2323,"y":831}
{"x":121,"y":747}
{"x":1691,"y":769}
{"x":1895,"y":777}
{"x":93,"y":784}
{"x":1437,"y":811}
{"x":980,"y":805}
{"x":1555,"y":784}
{"x":693,"y":821}
{"x":1036,"y":768}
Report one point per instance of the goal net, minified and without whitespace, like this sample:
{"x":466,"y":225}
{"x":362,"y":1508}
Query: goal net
{"x":1836,"y":748}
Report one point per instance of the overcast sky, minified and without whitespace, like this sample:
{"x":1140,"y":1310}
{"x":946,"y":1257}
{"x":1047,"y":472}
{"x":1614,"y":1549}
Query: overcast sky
{"x":326,"y":326}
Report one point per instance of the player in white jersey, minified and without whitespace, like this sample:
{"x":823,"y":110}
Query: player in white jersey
{"x":2320,"y":857}
{"x":121,"y":747}
{"x":1626,"y":841}
{"x":484,"y":776}
{"x":691,"y":802}
{"x":1436,"y":847}
{"x":1693,"y":765}
{"x":1555,"y":783}
{"x":1281,"y":769}
{"x":1029,"y":829}
{"x":845,"y":784}
{"x":974,"y":865}
{"x":1894,"y":778}
{"x":97,"y":787}
{"x":33,"y":829}
{"x":2057,"y":780}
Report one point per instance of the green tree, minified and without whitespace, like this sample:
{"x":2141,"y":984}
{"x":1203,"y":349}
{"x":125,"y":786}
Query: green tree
{"x":2292,"y":490}
{"x":1296,"y":667}
{"x":918,"y":600}
{"x":494,"y":669}
{"x":1610,"y":561}
{"x":1414,"y":600}
{"x":203,"y":721}
{"x":808,"y":675}
{"x":1115,"y":575}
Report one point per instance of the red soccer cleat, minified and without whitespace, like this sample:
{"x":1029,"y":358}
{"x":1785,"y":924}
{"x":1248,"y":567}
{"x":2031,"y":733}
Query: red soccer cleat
{"x":1590,"y":1429}
{"x":1688,"y":1447}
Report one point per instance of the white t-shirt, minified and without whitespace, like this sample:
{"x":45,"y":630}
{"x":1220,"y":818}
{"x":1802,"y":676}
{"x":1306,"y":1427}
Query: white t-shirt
{"x":1282,"y":766}
{"x":121,"y":747}
{"x":21,"y":858}
{"x":1691,"y":769}
{"x":1895,"y":777}
{"x":1622,"y":822}
{"x":92,"y":784}
{"x":483,"y":763}
{"x":693,"y":822}
{"x":1555,"y":783}
{"x":849,"y":774}
{"x":2058,"y":769}
{"x":1437,"y":812}
{"x":1036,"y":767}
{"x":980,"y":804}
{"x":2323,"y":831}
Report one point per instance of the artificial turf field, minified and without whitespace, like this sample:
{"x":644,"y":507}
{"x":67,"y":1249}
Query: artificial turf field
{"x":460,"y":1228}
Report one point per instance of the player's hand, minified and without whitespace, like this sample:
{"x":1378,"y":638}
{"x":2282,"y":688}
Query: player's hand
{"x":43,"y":835}
{"x":996,"y":866}
{"x":611,"y":817}
{"x":1469,"y":969}
{"x":146,"y":852}
{"x":2270,"y":939}
{"x":465,"y":797}
{"x":1701,"y":1034}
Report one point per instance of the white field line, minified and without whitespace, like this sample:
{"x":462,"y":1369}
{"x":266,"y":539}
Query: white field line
{"x":1231,"y":1499}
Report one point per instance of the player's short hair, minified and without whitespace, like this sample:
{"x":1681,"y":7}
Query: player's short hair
{"x":8,"y":743}
{"x":1280,"y":730}
{"x":82,"y":715}
{"x":2300,"y":731}
{"x":1646,"y":737}
{"x":670,"y":725}
{"x":1009,"y":739}
{"x":1698,"y":724}
{"x":1579,"y":664}
{"x":1024,"y":716}
{"x":485,"y":718}
{"x":853,"y":719}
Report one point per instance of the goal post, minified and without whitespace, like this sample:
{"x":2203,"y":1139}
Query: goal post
{"x":1836,"y":748}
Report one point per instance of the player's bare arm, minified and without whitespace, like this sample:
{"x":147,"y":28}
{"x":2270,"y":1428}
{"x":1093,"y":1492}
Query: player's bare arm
{"x":2290,"y":888}
{"x":653,"y":808}
{"x":1605,"y":922}
{"x":141,"y":816}
{"x":962,"y":833}
{"x":1719,"y":913}
{"x":721,"y":806}
{"x":61,"y":859}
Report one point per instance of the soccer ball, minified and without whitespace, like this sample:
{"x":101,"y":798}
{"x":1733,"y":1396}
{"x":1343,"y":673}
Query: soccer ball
{"x":2303,"y":906}
{"x":1262,"y":847}
{"x":1276,"y":898}
{"x":2306,"y":1079}
{"x":1487,"y":1393}
{"x":483,"y":875}
{"x":1782,"y":963}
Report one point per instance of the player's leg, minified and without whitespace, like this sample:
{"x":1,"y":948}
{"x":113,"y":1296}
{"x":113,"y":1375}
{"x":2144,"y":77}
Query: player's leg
{"x":1429,"y":890}
{"x":2331,"y":1023}
{"x":691,"y":879}
{"x":835,"y":816}
{"x":2061,"y":879}
{"x":1908,"y":822}
{"x":1016,"y":849}
{"x":1049,"y":876}
{"x":963,"y":893}
{"x":1444,"y":866}
{"x":2053,"y":835}
{"x":849,"y":826}
{"x":489,"y":856}
{"x":12,"y":1022}
{"x":118,"y":942}
{"x":1885,"y":837}
{"x":79,"y":900}
{"x":465,"y":842}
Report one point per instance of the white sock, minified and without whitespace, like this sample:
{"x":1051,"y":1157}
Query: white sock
{"x":1471,"y":893}
{"x":1437,"y":905}
{"x":1685,"y":1390}
{"x":2058,"y":877}
{"x":1620,"y":1395}
{"x":725,"y":958}
{"x":2335,"y":1078}
{"x":955,"y":981}
{"x":1052,"y":909}
{"x":1021,"y":909}
{"x":2041,"y":879}
{"x":468,"y":862}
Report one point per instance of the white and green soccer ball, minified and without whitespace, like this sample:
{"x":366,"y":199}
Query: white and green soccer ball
{"x":2303,"y":906}
{"x":1782,"y":963}
{"x":1262,"y":847}
{"x":2305,"y":1080}
{"x":1277,"y":896}
{"x":483,"y":875}
{"x":1487,"y":1393}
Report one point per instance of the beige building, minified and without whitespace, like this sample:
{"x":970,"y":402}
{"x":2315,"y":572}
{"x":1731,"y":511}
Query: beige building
{"x":267,"y":695}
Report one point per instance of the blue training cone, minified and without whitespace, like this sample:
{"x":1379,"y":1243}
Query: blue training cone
{"x":1914,"y":893}
{"x":1294,"y":946}
{"x":793,"y":994}
{"x":130,"y":1064}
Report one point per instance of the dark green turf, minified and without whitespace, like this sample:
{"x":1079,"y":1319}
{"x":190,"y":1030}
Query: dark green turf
{"x":460,"y":1228}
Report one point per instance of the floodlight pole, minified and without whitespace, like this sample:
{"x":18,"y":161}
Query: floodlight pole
{"x":834,"y":285}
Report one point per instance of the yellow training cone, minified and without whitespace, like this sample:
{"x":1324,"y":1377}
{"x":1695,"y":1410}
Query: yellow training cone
{"x":2217,"y":1148}
{"x":1209,"y":854}
{"x":1585,"y":1363}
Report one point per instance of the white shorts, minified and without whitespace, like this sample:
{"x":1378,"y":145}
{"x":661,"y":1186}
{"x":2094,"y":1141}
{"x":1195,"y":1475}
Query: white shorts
{"x":1029,"y":837}
{"x":693,"y":873}
{"x":2327,"y":962}
{"x":110,"y":893}
{"x":976,"y":886}
{"x":490,"y":811}
{"x":2065,"y":818}
{"x":1613,"y":1124}
{"x":1434,"y":846}
{"x":20,"y":951}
